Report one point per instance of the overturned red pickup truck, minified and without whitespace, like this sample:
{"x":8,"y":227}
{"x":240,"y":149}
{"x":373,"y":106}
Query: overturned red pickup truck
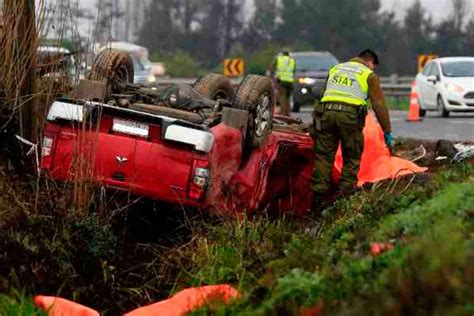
{"x":203,"y":146}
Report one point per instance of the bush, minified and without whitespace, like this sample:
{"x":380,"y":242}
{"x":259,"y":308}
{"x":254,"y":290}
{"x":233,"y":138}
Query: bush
{"x":261,"y":60}
{"x":179,"y":64}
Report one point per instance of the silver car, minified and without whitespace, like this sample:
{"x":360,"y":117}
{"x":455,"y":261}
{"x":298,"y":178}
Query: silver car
{"x":446,"y":85}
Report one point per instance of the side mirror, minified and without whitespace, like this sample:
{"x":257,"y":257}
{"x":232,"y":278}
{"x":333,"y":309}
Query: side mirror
{"x":432,"y":79}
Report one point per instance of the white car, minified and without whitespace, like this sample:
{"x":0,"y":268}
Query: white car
{"x":446,"y":85}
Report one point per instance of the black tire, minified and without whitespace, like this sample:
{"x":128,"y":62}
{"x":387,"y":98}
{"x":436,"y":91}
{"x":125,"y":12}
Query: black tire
{"x":441,"y":108}
{"x":256,"y":95}
{"x":422,"y":112}
{"x":215,"y":87}
{"x":116,"y":67}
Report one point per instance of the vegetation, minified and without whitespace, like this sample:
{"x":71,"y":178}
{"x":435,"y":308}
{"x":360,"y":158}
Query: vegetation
{"x":211,"y":30}
{"x":179,"y":64}
{"x":113,"y":254}
{"x":282,"y":268}
{"x":18,"y":305}
{"x":114,"y":262}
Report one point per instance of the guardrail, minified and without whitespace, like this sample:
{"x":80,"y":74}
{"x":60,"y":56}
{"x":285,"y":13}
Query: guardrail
{"x":393,"y":86}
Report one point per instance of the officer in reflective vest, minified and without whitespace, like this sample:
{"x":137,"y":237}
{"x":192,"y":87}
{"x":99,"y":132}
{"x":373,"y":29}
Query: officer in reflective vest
{"x":340,"y":118}
{"x":285,"y":67}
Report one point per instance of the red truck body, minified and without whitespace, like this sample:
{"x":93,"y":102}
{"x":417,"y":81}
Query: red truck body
{"x":174,"y":161}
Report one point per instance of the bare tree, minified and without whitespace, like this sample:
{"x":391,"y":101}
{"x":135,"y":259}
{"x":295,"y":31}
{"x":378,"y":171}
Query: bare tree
{"x":460,"y":11}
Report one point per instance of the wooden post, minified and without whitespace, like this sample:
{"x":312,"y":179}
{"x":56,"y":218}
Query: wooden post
{"x":19,"y":45}
{"x":20,"y":48}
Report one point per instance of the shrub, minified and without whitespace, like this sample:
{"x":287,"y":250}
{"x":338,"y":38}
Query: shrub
{"x":179,"y":64}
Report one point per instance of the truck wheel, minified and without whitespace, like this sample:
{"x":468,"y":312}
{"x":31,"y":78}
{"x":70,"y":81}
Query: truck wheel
{"x":255,"y":94}
{"x":215,"y":87}
{"x":114,"y":66}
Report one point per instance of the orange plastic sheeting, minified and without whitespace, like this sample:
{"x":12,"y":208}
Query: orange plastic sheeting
{"x":56,"y":306}
{"x":376,"y":163}
{"x":187,"y":300}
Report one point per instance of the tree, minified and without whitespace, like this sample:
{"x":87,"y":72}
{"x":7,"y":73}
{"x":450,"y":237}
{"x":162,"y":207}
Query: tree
{"x":468,"y":38}
{"x":62,"y":20}
{"x":460,"y":10}
{"x":261,"y":26}
{"x":159,"y":32}
{"x":108,"y":12}
{"x":417,"y":34}
{"x":219,"y":29}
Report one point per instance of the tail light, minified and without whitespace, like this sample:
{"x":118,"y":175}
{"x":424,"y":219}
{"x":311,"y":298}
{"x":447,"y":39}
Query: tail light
{"x":200,"y":180}
{"x":46,"y":151}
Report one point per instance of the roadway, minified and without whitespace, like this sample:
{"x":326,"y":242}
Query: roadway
{"x":458,"y":126}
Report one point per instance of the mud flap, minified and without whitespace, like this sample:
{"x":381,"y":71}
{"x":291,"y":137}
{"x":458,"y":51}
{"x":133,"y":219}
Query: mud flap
{"x":91,"y":90}
{"x":236,"y":118}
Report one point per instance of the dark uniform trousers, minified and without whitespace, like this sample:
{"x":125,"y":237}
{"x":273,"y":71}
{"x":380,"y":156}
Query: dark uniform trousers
{"x":285,"y":89}
{"x":338,"y":123}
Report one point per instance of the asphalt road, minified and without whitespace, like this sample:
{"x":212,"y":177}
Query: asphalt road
{"x":458,"y":126}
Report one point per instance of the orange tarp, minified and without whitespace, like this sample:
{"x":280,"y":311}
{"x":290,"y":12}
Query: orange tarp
{"x":376,"y":162}
{"x":180,"y":304}
{"x":56,"y":306}
{"x":187,"y":300}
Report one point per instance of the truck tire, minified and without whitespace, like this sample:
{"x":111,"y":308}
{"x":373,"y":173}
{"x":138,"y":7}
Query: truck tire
{"x":116,"y":67}
{"x":255,"y":94}
{"x":215,"y":87}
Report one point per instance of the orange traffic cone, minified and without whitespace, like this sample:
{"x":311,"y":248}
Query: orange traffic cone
{"x":414,"y":108}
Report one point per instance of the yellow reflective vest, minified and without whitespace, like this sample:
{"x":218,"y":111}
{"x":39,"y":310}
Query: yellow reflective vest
{"x":285,"y":68}
{"x":347,"y":82}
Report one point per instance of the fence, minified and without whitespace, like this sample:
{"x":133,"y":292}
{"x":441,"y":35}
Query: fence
{"x":395,"y":87}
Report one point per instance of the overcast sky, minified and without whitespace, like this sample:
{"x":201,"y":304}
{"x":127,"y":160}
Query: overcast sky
{"x":437,"y":8}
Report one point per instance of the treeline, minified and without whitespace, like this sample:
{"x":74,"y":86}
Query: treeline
{"x":210,"y":30}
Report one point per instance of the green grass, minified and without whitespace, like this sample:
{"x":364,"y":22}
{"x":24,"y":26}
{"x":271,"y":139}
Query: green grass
{"x":278,"y":264}
{"x":430,"y":227}
{"x":399,"y":104}
{"x":18,"y":305}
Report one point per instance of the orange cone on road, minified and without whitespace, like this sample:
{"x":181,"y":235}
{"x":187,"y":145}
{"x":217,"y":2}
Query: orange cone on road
{"x":414,"y":108}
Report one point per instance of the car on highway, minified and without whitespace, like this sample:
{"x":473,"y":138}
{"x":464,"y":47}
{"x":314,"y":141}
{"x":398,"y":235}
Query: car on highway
{"x":312,"y":68}
{"x":206,"y":145}
{"x":446,"y":85}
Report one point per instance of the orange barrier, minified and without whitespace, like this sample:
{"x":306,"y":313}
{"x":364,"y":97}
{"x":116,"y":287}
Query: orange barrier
{"x":187,"y":300}
{"x":56,"y":306}
{"x":414,"y":108}
{"x":376,"y":162}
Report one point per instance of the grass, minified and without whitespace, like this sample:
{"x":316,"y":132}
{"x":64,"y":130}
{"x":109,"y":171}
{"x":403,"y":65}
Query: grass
{"x":114,"y":261}
{"x":17,"y":304}
{"x":428,"y":270}
{"x":398,"y":104}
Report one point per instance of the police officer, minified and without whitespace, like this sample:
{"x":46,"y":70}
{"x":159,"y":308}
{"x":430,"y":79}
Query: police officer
{"x":340,"y":118}
{"x":284,"y":67}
